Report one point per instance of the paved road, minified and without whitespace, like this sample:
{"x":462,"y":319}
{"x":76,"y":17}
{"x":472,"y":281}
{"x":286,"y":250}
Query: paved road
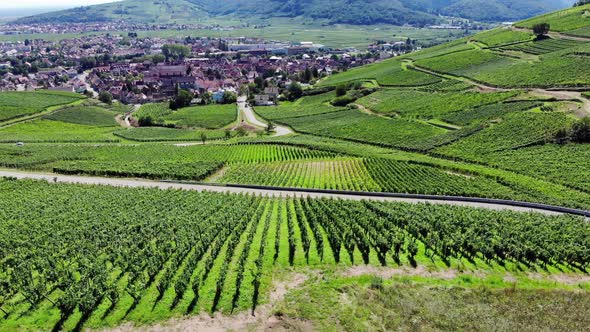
{"x":83,"y":77}
{"x":250,"y":118}
{"x":265,"y":192}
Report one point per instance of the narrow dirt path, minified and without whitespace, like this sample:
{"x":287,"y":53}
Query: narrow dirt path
{"x":567,"y":95}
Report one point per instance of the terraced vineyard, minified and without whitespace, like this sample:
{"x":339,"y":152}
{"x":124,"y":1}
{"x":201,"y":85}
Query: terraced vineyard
{"x":544,"y":46}
{"x":386,"y":73}
{"x":182,"y":252}
{"x":414,"y":104}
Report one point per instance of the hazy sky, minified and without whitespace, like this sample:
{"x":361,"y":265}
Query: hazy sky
{"x":48,"y":3}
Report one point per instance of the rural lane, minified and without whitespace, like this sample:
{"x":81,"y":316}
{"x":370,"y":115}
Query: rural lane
{"x":250,"y":118}
{"x":135,"y":183}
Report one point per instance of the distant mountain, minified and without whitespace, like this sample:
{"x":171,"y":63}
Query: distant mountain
{"x":417,"y":12}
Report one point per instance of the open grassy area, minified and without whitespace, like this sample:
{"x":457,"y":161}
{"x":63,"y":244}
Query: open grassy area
{"x":443,"y":304}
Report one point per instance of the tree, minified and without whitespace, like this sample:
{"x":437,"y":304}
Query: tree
{"x":229,"y":98}
{"x":88,"y":63}
{"x":341,"y":90}
{"x":206,"y":98}
{"x":294,"y":92}
{"x":581,"y":3}
{"x":203,"y":137}
{"x":581,"y":131}
{"x":158,"y":58}
{"x":541,"y":30}
{"x":175,"y":51}
{"x":182,"y":99}
{"x":227,"y":134}
{"x":270,"y":128}
{"x":106,"y":97}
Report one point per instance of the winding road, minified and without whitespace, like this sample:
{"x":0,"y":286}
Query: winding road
{"x":249,"y":117}
{"x":287,"y":192}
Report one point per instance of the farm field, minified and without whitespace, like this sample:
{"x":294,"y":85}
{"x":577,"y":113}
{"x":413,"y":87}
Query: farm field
{"x":203,"y":117}
{"x":495,"y":115}
{"x":163,"y":134}
{"x":502,"y":36}
{"x":366,"y":175}
{"x":19,"y":104}
{"x":426,"y":105}
{"x":386,"y":73}
{"x":168,"y":269}
{"x":562,"y":21}
{"x":562,"y":66}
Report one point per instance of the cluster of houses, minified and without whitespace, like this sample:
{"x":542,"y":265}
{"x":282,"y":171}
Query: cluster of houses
{"x":134,"y":70}
{"x":148,"y":82}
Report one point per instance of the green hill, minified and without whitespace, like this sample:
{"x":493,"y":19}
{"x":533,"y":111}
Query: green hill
{"x":397,"y":12}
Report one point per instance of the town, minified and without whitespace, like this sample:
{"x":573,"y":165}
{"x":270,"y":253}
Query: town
{"x":138,"y":70}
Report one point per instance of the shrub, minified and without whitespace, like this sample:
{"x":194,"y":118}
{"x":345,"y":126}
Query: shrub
{"x":343,"y":101}
{"x":106,"y":97}
{"x":341,"y":90}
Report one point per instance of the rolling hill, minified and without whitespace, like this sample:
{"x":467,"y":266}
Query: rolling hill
{"x":397,"y":12}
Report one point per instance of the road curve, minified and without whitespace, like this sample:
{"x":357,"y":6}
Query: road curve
{"x":134,"y":183}
{"x":250,"y":118}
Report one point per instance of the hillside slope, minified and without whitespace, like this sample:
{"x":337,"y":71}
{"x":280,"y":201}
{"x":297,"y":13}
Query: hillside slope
{"x":397,"y":12}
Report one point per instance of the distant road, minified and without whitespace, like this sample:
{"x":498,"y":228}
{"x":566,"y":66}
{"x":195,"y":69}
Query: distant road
{"x":291,"y":192}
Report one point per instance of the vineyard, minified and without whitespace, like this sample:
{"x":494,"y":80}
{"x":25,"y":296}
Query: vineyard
{"x":386,"y":73}
{"x":163,"y":134}
{"x":366,"y":175}
{"x":414,"y":104}
{"x":56,"y":131}
{"x":207,"y":117}
{"x":175,"y":252}
{"x":502,"y":36}
{"x":19,"y":104}
{"x":563,"y":21}
{"x":543,"y":46}
{"x":488,"y":112}
{"x":518,"y":130}
{"x":85,"y":115}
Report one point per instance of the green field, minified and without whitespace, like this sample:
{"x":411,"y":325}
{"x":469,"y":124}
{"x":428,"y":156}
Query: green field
{"x":207,"y":117}
{"x":159,"y":134}
{"x":387,"y":73}
{"x":204,"y":117}
{"x":501,"y":36}
{"x":19,"y":104}
{"x":85,"y":115}
{"x":562,"y":21}
{"x":160,"y":267}
{"x":493,"y":115}
{"x":288,"y":30}
{"x":427,"y":105}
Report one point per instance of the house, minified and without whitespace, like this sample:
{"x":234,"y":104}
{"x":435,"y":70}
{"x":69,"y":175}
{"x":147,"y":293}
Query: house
{"x":62,"y":89}
{"x":272,"y":92}
{"x":263,"y":100}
